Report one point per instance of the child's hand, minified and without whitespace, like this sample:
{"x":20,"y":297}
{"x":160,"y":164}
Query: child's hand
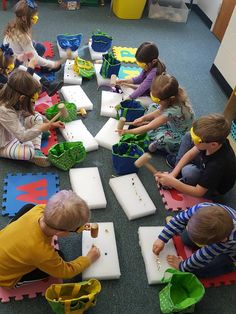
{"x":174,"y":261}
{"x":121,"y":132}
{"x":32,"y":63}
{"x":158,"y":246}
{"x":58,"y":124}
{"x":93,"y":254}
{"x":165,"y":178}
{"x":120,"y":82}
{"x":57,"y":64}
{"x":138,"y":121}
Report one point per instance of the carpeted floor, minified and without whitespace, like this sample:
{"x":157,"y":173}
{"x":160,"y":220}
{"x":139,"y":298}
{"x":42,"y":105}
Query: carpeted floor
{"x":188,"y":51}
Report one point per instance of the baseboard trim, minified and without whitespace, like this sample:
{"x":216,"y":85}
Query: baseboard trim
{"x":202,"y":15}
{"x":221,"y":80}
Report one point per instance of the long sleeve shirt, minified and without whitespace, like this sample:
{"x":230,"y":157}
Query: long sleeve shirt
{"x":24,"y":247}
{"x":11,"y":127}
{"x":21,"y":43}
{"x":207,"y":253}
{"x":145,"y":81}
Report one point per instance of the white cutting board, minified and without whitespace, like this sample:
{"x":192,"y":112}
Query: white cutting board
{"x":70,"y":77}
{"x":76,"y":95}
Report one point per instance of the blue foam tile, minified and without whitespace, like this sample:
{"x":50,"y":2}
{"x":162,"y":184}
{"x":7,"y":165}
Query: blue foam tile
{"x":23,"y":188}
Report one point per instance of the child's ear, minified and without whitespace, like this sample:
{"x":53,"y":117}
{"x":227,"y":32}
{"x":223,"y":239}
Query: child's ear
{"x":22,"y":98}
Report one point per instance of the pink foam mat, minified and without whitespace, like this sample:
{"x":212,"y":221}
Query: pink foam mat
{"x":46,"y":101}
{"x":175,"y":200}
{"x":226,"y":280}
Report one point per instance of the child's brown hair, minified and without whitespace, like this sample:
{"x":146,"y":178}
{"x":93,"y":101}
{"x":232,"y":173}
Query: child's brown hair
{"x":210,"y":224}
{"x":166,"y":88}
{"x":20,"y":83}
{"x":148,"y":53}
{"x":212,"y":128}
{"x":23,"y":20}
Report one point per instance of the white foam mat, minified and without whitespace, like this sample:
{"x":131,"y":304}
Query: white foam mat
{"x":107,"y":266}
{"x":94,"y":54}
{"x":63,"y":53}
{"x":109,"y":102}
{"x":76,"y":95}
{"x":76,"y":131}
{"x":132,"y":196}
{"x":86,"y":183}
{"x":100,"y":80}
{"x":70,"y":77}
{"x":108,"y":136}
{"x":154,"y":270}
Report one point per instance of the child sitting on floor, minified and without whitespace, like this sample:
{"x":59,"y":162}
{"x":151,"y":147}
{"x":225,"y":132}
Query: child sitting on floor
{"x":20,"y":127}
{"x":170,"y":120}
{"x":205,"y":162}
{"x":26,"y":250}
{"x":8,"y":63}
{"x":208,"y":228}
{"x":147,"y":58}
{"x":18,"y":34}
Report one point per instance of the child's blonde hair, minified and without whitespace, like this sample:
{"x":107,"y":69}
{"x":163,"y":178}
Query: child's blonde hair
{"x":212,"y":128}
{"x":23,"y":19}
{"x":66,"y":211}
{"x":210,"y":224}
{"x":19,"y":83}
{"x":166,"y":88}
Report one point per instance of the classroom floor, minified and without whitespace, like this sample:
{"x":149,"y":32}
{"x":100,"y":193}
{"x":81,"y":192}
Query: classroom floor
{"x":188,"y":51}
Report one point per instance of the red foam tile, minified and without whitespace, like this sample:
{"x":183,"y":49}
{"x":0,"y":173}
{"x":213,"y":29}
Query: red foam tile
{"x":175,"y":200}
{"x":48,"y":143}
{"x":49,"y":53}
{"x":227,"y":279}
{"x":56,"y":99}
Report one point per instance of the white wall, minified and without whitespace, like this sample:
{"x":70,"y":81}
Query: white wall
{"x":210,"y":8}
{"x":225,"y":59}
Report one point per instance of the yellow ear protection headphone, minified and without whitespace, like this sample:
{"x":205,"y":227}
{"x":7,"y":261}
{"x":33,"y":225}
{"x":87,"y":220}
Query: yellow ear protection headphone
{"x":195,"y":138}
{"x":34,"y":19}
{"x":156,"y":100}
{"x":142,"y":65}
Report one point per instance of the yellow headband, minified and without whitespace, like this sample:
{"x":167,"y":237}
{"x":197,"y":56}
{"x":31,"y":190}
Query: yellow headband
{"x":155,"y":99}
{"x":195,"y":138}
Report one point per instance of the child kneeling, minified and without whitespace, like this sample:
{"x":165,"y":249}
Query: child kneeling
{"x":26,"y":251}
{"x":208,"y":228}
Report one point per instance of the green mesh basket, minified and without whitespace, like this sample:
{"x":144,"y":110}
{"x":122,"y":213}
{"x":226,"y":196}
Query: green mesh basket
{"x":66,"y":154}
{"x":70,"y":107}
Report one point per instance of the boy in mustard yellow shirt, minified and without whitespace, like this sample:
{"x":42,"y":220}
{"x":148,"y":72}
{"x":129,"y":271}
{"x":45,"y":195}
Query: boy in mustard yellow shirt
{"x":26,"y":252}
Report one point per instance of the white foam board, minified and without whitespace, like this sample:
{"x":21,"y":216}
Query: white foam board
{"x":63,"y":53}
{"x":100,"y":80}
{"x":107,"y":266}
{"x":94,"y":54}
{"x":86,"y":183}
{"x":154,"y":271}
{"x":132,"y":196}
{"x":108,"y":103}
{"x":70,"y":77}
{"x":76,"y":131}
{"x":108,"y":136}
{"x":76,"y":95}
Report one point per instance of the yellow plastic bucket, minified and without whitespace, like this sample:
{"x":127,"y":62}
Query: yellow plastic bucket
{"x":129,"y":9}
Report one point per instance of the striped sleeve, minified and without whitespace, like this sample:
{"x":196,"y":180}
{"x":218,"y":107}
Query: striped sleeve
{"x":178,"y":223}
{"x":203,"y":256}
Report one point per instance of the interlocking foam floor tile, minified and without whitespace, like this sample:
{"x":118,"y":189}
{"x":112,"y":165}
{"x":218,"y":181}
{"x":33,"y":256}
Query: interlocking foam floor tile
{"x":49,"y":53}
{"x":46,"y":101}
{"x":155,"y":269}
{"x":107,"y":266}
{"x":132,"y":196}
{"x":30,"y":290}
{"x":226,"y":280}
{"x":128,"y":72}
{"x":124,"y":54}
{"x":49,"y":76}
{"x":21,"y":189}
{"x":175,"y":200}
{"x":46,"y":144}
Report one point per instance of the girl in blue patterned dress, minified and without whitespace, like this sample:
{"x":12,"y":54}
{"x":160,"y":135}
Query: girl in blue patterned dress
{"x":168,"y":119}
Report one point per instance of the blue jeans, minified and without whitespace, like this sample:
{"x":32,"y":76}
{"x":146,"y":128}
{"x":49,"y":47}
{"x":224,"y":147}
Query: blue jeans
{"x":221,"y":264}
{"x":39,"y":48}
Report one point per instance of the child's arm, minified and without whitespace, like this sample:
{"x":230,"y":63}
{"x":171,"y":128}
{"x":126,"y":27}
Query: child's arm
{"x":145,"y":84}
{"x":154,"y":124}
